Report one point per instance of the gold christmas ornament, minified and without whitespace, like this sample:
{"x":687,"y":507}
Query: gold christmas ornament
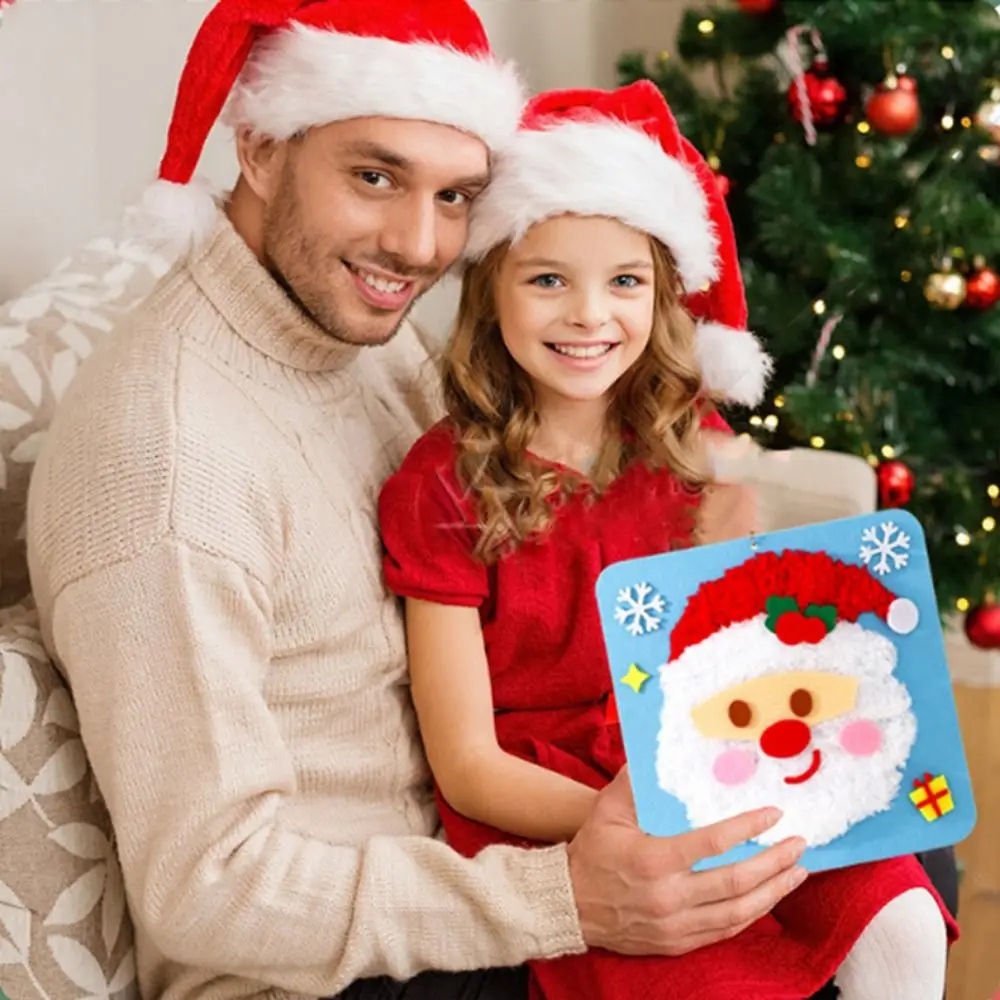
{"x":991,"y":154}
{"x":988,"y":115}
{"x":945,"y":289}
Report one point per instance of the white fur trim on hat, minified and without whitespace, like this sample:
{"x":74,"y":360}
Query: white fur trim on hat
{"x":301,"y":77}
{"x":733,"y":362}
{"x":597,"y":168}
{"x":748,"y":650}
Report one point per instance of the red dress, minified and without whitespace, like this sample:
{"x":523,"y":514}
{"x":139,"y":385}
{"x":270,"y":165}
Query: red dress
{"x":551,"y":689}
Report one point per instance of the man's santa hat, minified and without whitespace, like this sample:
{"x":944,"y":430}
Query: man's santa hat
{"x":280,"y":67}
{"x":620,"y":154}
{"x":784,"y":611}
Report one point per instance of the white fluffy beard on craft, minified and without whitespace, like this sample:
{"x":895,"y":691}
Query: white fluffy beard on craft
{"x":845,"y":790}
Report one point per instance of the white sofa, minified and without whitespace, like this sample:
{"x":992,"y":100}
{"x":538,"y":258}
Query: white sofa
{"x":64,"y":929}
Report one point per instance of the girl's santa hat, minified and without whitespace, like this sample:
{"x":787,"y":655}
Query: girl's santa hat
{"x":785,"y":611}
{"x":282,"y":66}
{"x":621,"y":154}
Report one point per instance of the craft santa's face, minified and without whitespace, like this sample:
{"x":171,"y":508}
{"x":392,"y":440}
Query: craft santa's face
{"x":792,"y":709}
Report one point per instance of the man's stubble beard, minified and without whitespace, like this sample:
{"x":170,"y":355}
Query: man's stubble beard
{"x":294,"y":260}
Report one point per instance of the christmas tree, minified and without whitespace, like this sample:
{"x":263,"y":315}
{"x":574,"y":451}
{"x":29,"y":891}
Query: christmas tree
{"x":858,"y":143}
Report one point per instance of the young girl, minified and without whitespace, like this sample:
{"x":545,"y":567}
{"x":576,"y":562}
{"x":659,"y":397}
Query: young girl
{"x":580,"y":392}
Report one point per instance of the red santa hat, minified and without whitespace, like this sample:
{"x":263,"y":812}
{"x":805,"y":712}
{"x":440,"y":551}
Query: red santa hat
{"x":620,"y":154}
{"x":794,"y":610}
{"x":283,"y":66}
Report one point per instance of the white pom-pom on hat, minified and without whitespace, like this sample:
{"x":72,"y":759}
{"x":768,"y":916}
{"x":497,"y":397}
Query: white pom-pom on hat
{"x":177,"y":217}
{"x":903,"y":616}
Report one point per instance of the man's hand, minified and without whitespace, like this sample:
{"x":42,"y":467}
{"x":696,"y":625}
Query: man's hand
{"x":637,"y":895}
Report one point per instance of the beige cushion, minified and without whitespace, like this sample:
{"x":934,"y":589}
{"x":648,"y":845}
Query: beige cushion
{"x":64,"y":932}
{"x":44,"y":335}
{"x":800,"y":486}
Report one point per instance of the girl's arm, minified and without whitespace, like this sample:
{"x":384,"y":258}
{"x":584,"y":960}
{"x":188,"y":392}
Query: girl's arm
{"x":451,"y":690}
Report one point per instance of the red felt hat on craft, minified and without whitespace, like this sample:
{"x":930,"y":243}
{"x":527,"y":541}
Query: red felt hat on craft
{"x":785,"y":610}
{"x":620,"y":154}
{"x":283,"y":66}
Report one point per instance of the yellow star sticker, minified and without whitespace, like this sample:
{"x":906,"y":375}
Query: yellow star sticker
{"x":635,"y":678}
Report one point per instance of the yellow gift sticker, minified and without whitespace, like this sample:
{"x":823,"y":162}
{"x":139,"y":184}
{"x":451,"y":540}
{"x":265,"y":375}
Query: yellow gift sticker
{"x":932,"y":796}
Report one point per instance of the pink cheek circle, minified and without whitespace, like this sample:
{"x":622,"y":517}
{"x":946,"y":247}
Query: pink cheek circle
{"x":861,"y":739}
{"x":734,"y":767}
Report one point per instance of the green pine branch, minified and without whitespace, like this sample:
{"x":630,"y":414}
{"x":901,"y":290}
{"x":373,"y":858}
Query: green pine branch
{"x":854,"y":227}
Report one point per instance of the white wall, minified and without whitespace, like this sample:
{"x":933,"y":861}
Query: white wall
{"x":86,"y":89}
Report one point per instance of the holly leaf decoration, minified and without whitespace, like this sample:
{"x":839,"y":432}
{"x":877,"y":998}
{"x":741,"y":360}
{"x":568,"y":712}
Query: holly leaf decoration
{"x":776,"y":607}
{"x":826,"y":613}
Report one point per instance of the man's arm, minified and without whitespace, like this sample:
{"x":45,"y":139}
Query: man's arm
{"x":167,"y":654}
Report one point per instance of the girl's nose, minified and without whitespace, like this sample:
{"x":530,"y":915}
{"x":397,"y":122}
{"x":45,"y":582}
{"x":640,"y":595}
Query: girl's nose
{"x":589,"y":312}
{"x":787,"y":738}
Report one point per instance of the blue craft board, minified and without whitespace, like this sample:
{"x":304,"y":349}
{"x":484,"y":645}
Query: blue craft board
{"x":921,"y":667}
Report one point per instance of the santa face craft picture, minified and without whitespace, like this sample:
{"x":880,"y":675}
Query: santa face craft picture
{"x":804,"y":669}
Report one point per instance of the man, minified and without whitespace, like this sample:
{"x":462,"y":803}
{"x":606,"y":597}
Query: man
{"x":205,"y":558}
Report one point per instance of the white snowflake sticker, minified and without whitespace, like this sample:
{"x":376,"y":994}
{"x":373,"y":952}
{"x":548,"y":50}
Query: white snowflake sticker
{"x":639,"y":609}
{"x":878,"y":551}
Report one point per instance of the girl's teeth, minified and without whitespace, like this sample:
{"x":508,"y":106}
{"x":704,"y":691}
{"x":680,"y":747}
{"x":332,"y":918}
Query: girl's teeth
{"x":381,"y":285}
{"x":583,"y":352}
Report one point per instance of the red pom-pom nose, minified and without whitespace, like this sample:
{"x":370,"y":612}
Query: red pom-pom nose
{"x":787,"y":738}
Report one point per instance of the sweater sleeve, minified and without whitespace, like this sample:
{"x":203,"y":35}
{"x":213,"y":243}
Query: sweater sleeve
{"x":167,"y":653}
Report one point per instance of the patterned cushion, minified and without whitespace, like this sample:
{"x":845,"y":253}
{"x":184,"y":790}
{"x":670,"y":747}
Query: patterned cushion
{"x":44,"y":335}
{"x":64,"y":931}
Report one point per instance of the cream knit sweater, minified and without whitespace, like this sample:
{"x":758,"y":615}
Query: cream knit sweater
{"x":204,"y":552}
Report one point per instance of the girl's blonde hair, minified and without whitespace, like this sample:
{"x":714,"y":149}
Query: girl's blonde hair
{"x":654,"y":417}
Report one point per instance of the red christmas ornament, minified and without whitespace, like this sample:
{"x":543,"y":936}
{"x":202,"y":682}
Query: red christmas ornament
{"x":757,"y":6}
{"x":895,"y":483}
{"x":982,"y":626}
{"x":894,"y":108}
{"x":982,"y":288}
{"x":723,"y":183}
{"x":826,"y":95}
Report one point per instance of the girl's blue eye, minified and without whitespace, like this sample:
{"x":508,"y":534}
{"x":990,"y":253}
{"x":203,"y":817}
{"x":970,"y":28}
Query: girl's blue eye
{"x":626,"y":281}
{"x":546,"y":280}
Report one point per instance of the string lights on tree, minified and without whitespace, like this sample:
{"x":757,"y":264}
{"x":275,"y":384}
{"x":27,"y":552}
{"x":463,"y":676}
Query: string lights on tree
{"x":862,"y":171}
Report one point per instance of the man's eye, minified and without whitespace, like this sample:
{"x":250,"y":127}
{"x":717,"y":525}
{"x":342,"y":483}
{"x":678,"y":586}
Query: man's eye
{"x":373,"y":177}
{"x":453,"y":197}
{"x":546,"y":280}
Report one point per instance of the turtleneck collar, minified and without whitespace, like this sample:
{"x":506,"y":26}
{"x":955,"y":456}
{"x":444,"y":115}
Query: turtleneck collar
{"x":257,"y":307}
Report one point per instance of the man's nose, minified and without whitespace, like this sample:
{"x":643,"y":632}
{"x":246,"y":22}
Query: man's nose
{"x":787,"y":738}
{"x":411,"y":234}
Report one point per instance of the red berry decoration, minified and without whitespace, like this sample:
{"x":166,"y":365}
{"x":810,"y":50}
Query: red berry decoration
{"x":895,"y":483}
{"x":982,"y":626}
{"x":793,"y":628}
{"x":826,"y":95}
{"x":757,"y":6}
{"x":894,"y":108}
{"x":723,"y":183}
{"x":982,"y":288}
